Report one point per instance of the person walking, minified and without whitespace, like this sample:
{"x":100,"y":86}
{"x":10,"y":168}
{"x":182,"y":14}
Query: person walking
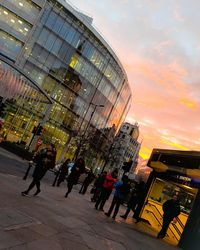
{"x":98,"y":184}
{"x":63,"y":172}
{"x":140,"y":201}
{"x":89,"y":179}
{"x":171,"y":210}
{"x":134,"y":200}
{"x":106,"y":190}
{"x":122,"y":188}
{"x":45,"y":160}
{"x":77,"y":169}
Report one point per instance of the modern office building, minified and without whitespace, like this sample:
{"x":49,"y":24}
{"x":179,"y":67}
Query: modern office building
{"x":55,"y":50}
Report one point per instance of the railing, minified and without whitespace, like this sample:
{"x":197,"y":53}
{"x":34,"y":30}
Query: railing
{"x":149,"y":211}
{"x":175,"y":227}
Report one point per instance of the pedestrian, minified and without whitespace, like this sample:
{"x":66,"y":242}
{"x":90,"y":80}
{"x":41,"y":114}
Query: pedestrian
{"x":122,"y":188}
{"x":63,"y":172}
{"x":98,"y":184}
{"x":134,"y":199}
{"x":77,"y":169}
{"x":88,"y":180}
{"x":45,"y":160}
{"x":140,"y":201}
{"x":171,"y":210}
{"x":106,"y":190}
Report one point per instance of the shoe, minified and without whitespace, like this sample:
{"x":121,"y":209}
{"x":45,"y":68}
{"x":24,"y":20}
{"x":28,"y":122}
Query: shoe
{"x":37,"y":192}
{"x":107,"y":214}
{"x":25,"y":193}
{"x":123,"y":216}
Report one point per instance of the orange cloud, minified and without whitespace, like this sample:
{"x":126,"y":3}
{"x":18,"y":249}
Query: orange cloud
{"x":188,"y":103}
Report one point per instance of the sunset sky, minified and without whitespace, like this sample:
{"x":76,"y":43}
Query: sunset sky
{"x":158,"y":42}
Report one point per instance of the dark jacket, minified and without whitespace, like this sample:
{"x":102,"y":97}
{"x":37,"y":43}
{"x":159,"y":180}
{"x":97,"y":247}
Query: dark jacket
{"x":89,"y":178}
{"x":45,"y":160}
{"x":171,"y":209}
{"x":76,"y":171}
{"x":99,"y":181}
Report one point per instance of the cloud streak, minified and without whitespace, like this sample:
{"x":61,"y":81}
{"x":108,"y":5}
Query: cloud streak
{"x":158,"y":44}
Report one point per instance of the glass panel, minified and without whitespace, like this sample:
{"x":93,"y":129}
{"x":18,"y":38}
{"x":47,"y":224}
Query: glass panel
{"x":9,"y":45}
{"x":51,"y":20}
{"x":71,"y":35}
{"x":15,"y":23}
{"x":26,"y":6}
{"x":49,"y":84}
{"x":56,"y":46}
{"x":50,"y":41}
{"x":58,"y":24}
{"x":64,"y":30}
{"x":43,"y":36}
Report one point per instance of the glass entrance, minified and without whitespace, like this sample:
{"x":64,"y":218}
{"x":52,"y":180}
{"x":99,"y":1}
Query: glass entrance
{"x":160,"y":191}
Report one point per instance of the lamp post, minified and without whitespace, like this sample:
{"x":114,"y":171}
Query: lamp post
{"x":85,"y":131}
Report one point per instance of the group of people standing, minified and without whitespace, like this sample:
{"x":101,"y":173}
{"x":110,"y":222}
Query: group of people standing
{"x":104,"y":184}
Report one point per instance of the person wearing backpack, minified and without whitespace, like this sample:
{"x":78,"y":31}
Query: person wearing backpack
{"x":122,"y":188}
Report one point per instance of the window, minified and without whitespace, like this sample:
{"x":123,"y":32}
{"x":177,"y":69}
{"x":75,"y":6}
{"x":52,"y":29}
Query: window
{"x":51,"y":20}
{"x":58,"y":24}
{"x":70,"y":35}
{"x":64,"y":30}
{"x":9,"y":45}
{"x":43,"y":37}
{"x":26,"y":6}
{"x":50,"y":42}
{"x":15,"y":24}
{"x":56,"y":46}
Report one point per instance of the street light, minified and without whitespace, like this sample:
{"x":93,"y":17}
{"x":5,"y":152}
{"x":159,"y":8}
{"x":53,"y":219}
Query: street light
{"x":88,"y":124}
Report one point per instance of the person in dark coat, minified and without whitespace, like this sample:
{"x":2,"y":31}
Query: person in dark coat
{"x":171,"y":210}
{"x":122,"y":188}
{"x":45,"y":160}
{"x":140,"y":201}
{"x":88,"y":179}
{"x":106,"y":190}
{"x":134,"y":200}
{"x":63,"y":172}
{"x":98,"y":184}
{"x":76,"y":171}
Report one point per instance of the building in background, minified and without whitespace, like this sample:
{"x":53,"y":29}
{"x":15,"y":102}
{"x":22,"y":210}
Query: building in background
{"x":125,"y":146}
{"x":56,"y":47}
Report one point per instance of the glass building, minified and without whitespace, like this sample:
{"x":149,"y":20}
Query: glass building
{"x":57,"y":48}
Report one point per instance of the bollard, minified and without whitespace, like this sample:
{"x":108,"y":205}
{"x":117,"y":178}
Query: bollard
{"x":27,"y":171}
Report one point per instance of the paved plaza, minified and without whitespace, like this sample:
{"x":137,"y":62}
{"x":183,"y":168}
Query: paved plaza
{"x":50,"y":221}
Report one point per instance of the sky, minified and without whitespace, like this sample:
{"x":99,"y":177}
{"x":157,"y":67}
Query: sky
{"x":158,"y":43}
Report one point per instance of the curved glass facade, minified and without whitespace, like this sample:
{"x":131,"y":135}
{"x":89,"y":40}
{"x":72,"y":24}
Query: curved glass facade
{"x":58,"y":48}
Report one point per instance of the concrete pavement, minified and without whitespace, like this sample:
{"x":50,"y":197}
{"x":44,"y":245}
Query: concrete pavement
{"x":51,"y":221}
